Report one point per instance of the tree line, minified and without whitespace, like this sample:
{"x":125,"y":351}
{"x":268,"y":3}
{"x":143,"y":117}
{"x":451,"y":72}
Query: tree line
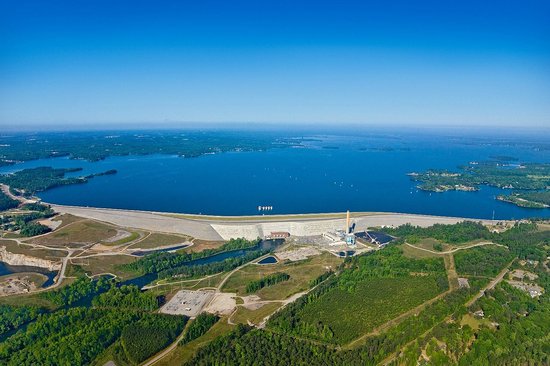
{"x":164,"y":261}
{"x":151,"y":334}
{"x":26,"y":222}
{"x":269,"y":280}
{"x":78,"y":290}
{"x":199,"y":326}
{"x":212,"y":268}
{"x":12,"y":317}
{"x":121,"y":317}
{"x":7,"y":202}
{"x":461,"y":232}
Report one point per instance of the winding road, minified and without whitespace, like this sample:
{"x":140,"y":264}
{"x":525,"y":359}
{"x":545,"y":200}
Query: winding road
{"x":457,"y":248}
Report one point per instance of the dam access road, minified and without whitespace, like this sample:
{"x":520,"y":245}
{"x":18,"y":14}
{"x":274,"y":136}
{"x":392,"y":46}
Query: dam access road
{"x":250,"y":227}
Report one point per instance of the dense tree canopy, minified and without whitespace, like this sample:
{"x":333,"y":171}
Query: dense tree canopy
{"x":78,"y":290}
{"x":165,"y":261}
{"x":127,"y":297}
{"x":488,"y":260}
{"x":7,"y":202}
{"x":199,"y":326}
{"x":152,"y":333}
{"x":454,"y":234}
{"x":269,"y":280}
{"x":12,"y":317}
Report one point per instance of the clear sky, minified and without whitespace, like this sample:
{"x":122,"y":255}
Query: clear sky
{"x":374,"y":62}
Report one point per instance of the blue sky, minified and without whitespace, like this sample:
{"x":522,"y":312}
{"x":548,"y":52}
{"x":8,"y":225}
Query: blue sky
{"x":385,"y":62}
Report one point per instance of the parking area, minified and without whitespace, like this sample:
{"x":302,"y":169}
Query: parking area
{"x":185,"y":302}
{"x":298,"y":254}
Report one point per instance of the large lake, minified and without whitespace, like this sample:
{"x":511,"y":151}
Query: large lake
{"x":331,"y":174}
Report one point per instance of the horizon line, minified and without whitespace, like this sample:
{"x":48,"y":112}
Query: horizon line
{"x":253,"y":125}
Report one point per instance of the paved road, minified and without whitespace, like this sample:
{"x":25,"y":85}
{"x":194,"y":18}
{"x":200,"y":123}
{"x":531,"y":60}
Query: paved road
{"x":7,"y":192}
{"x":456,"y":249}
{"x":491,"y":285}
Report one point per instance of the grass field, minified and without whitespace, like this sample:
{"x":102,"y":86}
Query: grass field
{"x":374,"y":302}
{"x":300,"y":274}
{"x":106,"y":264}
{"x":27,"y":300}
{"x":134,"y":235}
{"x":475,"y":323}
{"x":8,"y":235}
{"x":183,"y":354}
{"x":177,"y":284}
{"x":243,"y":315}
{"x":85,"y":231}
{"x":469,"y":320}
{"x":66,"y":219}
{"x":200,"y":245}
{"x":13,"y":247}
{"x":431,"y":244}
{"x":158,"y":240}
{"x":415,"y":253}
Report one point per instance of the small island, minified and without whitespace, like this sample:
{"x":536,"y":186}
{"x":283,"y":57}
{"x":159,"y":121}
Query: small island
{"x":533,"y":178}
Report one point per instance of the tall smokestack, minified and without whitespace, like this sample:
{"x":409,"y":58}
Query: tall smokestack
{"x":347,"y":223}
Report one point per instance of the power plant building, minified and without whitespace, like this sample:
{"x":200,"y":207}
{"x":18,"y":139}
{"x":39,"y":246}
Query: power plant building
{"x":342,"y":237}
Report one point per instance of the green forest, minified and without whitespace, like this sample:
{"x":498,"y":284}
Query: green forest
{"x":149,"y":335}
{"x":199,"y":326}
{"x":485,"y":261}
{"x":528,"y":199}
{"x":30,"y":181}
{"x":25,"y":222}
{"x":348,"y":318}
{"x":269,"y":280}
{"x":7,"y":202}
{"x":122,"y":318}
{"x":27,"y":182}
{"x":13,"y":317}
{"x":461,"y":232}
{"x":99,"y":145}
{"x":524,"y":240}
{"x":514,"y":331}
{"x":78,"y":290}
{"x":387,"y":281}
{"x":211,"y":268}
{"x":526,"y":176}
{"x":167,"y":265}
{"x":163,"y":261}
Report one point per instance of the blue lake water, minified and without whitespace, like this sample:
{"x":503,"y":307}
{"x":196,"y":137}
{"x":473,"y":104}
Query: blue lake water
{"x":142,"y":253}
{"x":347,"y":253}
{"x":268,"y":260}
{"x":6,"y":269}
{"x":263,"y":245}
{"x":332,"y":174}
